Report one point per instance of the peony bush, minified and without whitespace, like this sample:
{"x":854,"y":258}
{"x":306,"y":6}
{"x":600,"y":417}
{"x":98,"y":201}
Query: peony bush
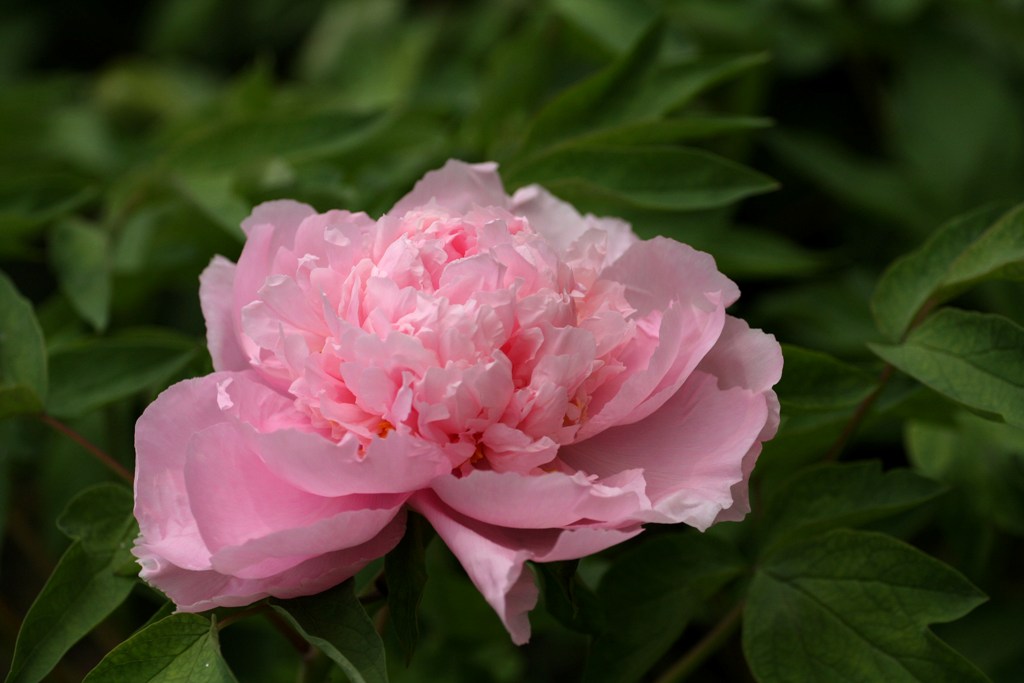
{"x":536,"y":383}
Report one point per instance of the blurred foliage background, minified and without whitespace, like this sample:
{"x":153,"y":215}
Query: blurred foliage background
{"x":135,"y":136}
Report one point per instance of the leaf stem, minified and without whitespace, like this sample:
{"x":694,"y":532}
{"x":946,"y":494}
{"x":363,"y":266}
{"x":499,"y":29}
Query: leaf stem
{"x":707,"y":645}
{"x":94,"y":450}
{"x":859,"y":415}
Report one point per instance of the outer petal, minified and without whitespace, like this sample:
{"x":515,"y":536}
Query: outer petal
{"x":216,"y":287}
{"x":493,"y":556}
{"x":257,"y":524}
{"x":396,"y":464}
{"x":547,"y":501}
{"x":691,"y":450}
{"x":561,"y":224}
{"x":456,"y":187}
{"x":284,"y":214}
{"x":162,"y":436}
{"x":196,"y":591}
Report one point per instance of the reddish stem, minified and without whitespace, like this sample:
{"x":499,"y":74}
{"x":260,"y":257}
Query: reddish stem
{"x":98,"y":453}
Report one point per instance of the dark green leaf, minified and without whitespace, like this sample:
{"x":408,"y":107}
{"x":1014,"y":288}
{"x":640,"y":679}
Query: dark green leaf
{"x":616,"y":25}
{"x":855,"y":606}
{"x":649,"y":132}
{"x":567,"y":598}
{"x":89,"y":374}
{"x":88,"y":583}
{"x":815,"y":381}
{"x":599,"y":98}
{"x":406,"y":573}
{"x":662,"y":178}
{"x":831,"y":496}
{"x":973,"y":358}
{"x":181,"y":648}
{"x":336,"y":622}
{"x":982,"y":461}
{"x":80,"y":255}
{"x":308,"y":137}
{"x":985,"y":244}
{"x":22,"y":354}
{"x":649,"y":595}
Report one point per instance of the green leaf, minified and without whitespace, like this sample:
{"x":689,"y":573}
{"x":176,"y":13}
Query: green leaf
{"x":982,"y":245}
{"x":982,"y":461}
{"x":89,"y":374}
{"x":406,"y":573}
{"x":598,"y":98}
{"x":181,"y":648}
{"x":22,"y":354}
{"x":649,"y":595}
{"x":855,"y":606}
{"x":336,"y":622}
{"x":816,"y":381}
{"x":674,"y":130}
{"x":88,"y":583}
{"x":80,"y":256}
{"x":663,"y":178}
{"x":228,"y":146}
{"x":972,"y":358}
{"x":830,"y":496}
{"x":567,"y":597}
{"x":616,"y":25}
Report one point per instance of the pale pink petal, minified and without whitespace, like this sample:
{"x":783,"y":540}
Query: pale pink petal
{"x":235,"y":498}
{"x":197,"y":591}
{"x":691,"y":450}
{"x":545,"y":501}
{"x":456,"y":187}
{"x":558,"y":222}
{"x":494,"y":556}
{"x":161,"y":445}
{"x":285,"y":215}
{"x":216,"y":297}
{"x":743,"y":357}
{"x":396,"y":464}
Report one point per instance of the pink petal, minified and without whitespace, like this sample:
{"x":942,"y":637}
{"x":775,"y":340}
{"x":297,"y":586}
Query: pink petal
{"x":743,"y":357}
{"x":545,"y":501}
{"x":284,"y":214}
{"x":196,"y":591}
{"x":558,"y":222}
{"x":691,"y":450}
{"x":457,"y":187}
{"x":216,"y":287}
{"x":494,"y":556}
{"x":236,"y":499}
{"x":396,"y":464}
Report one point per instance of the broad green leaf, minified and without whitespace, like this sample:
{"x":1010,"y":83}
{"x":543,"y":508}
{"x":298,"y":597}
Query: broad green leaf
{"x":663,"y":178}
{"x":649,"y":595}
{"x":972,"y":358}
{"x":982,"y":461}
{"x":80,"y":256}
{"x":816,"y":381}
{"x":985,"y":244}
{"x":215,"y":195}
{"x":336,"y":622}
{"x":89,"y":374}
{"x":598,"y":98}
{"x":567,"y":597}
{"x":857,"y":181}
{"x":830,"y":496}
{"x":406,"y":573}
{"x":616,"y":25}
{"x":755,"y":254}
{"x":225,"y":147}
{"x":89,"y":582}
{"x":855,"y":606}
{"x":22,"y":354}
{"x":673,"y":130}
{"x":181,"y":648}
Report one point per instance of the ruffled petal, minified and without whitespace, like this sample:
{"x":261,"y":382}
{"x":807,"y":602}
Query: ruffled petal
{"x":692,"y":450}
{"x":456,"y":187}
{"x":545,"y":501}
{"x":494,"y":556}
{"x":216,"y":286}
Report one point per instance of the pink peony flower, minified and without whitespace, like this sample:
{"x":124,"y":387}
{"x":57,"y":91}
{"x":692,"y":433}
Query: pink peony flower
{"x":536,"y":383}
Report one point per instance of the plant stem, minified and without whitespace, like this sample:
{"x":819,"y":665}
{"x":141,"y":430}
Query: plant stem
{"x":859,"y":415}
{"x":707,"y":645}
{"x":94,"y":450}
